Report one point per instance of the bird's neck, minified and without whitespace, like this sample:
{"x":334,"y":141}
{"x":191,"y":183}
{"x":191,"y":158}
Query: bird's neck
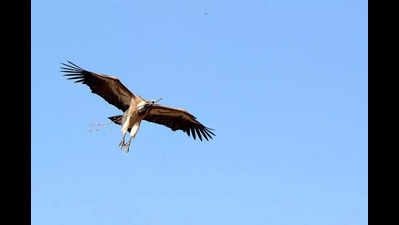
{"x":143,"y":107}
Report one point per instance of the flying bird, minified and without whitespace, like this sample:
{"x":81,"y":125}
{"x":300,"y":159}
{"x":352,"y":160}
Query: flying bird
{"x":134,"y":107}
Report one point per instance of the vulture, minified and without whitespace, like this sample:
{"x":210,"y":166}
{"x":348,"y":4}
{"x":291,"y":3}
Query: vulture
{"x":134,"y":107}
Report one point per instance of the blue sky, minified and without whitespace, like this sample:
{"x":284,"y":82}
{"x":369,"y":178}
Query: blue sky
{"x":283,"y":83}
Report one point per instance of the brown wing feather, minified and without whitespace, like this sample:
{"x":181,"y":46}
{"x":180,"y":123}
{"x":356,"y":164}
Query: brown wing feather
{"x":109,"y":88}
{"x":178,"y":119}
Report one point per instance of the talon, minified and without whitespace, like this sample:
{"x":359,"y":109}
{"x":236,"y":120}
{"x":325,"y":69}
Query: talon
{"x":127,"y":146}
{"x":122,"y":146}
{"x":122,"y":143}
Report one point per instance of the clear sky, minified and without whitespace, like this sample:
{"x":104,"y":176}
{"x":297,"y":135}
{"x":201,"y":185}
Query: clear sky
{"x":283,"y":83}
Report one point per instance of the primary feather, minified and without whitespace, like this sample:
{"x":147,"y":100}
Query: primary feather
{"x":109,"y":88}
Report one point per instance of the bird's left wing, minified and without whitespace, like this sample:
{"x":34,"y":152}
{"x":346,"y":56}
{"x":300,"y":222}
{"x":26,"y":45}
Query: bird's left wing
{"x":109,"y":88}
{"x":178,"y":119}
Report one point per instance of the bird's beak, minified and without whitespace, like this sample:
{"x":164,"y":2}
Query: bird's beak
{"x":159,"y":99}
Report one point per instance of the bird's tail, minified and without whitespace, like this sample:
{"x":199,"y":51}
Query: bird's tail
{"x":116,"y":119}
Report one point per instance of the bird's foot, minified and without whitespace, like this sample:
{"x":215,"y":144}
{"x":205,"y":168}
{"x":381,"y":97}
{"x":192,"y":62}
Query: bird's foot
{"x":127,"y":148}
{"x":124,"y":146}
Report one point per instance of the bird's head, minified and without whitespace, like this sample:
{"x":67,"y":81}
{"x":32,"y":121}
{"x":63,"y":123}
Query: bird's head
{"x":152,"y":102}
{"x":145,"y":106}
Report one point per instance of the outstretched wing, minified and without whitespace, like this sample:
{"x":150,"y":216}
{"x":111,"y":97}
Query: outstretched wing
{"x":109,"y":88}
{"x":178,"y":119}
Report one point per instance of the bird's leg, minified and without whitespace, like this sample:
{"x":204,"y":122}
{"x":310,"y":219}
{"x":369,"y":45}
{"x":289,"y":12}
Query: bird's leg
{"x":127,"y":146}
{"x":124,"y":132}
{"x":122,"y":144}
{"x":133,"y":133}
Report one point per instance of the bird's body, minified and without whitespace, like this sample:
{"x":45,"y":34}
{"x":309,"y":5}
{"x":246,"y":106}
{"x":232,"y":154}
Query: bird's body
{"x":135,"y":108}
{"x":133,"y":116}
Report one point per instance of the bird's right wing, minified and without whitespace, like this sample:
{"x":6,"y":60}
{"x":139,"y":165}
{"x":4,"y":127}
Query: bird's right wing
{"x":109,"y":88}
{"x":178,"y":119}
